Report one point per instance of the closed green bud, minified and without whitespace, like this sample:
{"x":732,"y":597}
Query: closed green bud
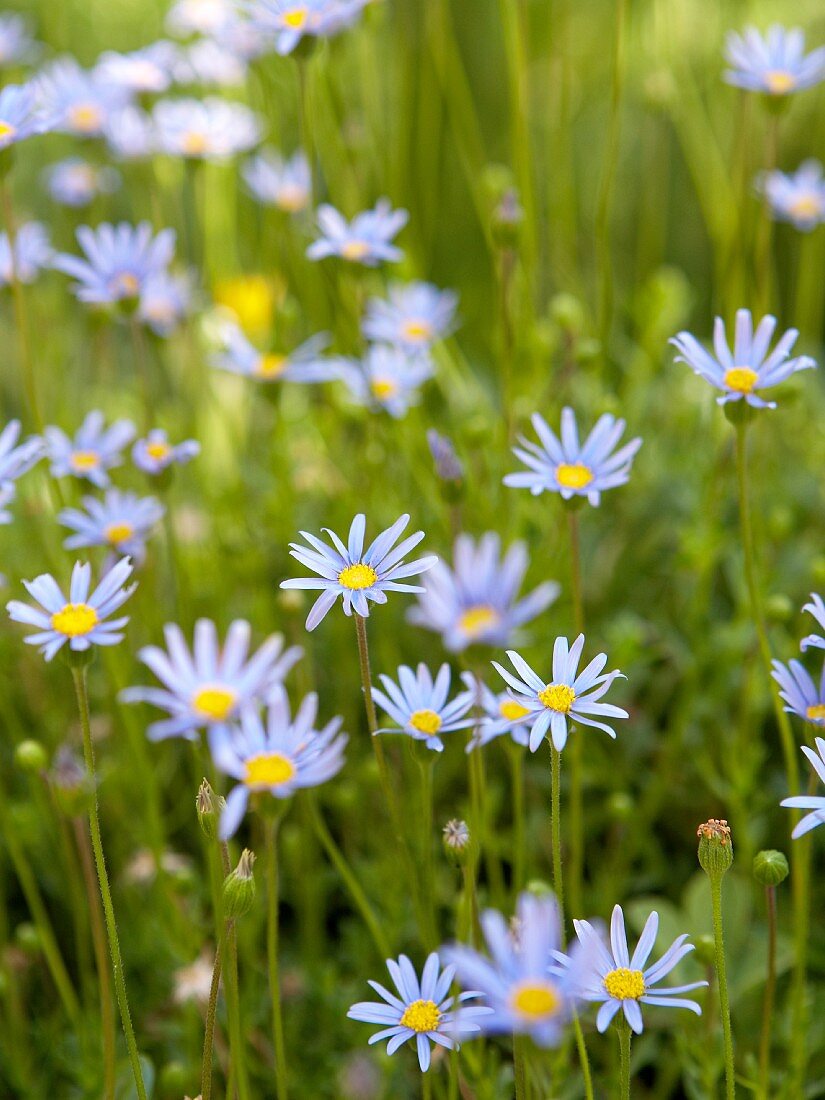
{"x":30,"y":756}
{"x":239,"y":888}
{"x":539,"y":888}
{"x":705,"y":950}
{"x":209,"y":807}
{"x":457,"y":840}
{"x":770,"y":867}
{"x":715,"y":847}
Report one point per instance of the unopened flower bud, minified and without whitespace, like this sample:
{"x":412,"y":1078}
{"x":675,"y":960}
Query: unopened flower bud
{"x":30,"y":756}
{"x":770,"y":867}
{"x":705,"y":950}
{"x":209,"y":807}
{"x":539,"y":888}
{"x":456,"y":839}
{"x":715,"y":847}
{"x":71,"y":783}
{"x":239,"y":888}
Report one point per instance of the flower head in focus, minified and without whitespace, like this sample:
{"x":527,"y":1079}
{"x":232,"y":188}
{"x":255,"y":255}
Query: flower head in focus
{"x":814,"y":803}
{"x":367,"y":239}
{"x":816,"y":608}
{"x":93,"y":451}
{"x":418,"y":703}
{"x":774,"y":63}
{"x":501,"y":714}
{"x":799,"y":693}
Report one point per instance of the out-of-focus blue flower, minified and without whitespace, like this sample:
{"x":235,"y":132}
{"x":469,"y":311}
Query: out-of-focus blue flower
{"x":208,"y":17}
{"x":816,"y":608}
{"x":358,"y":576}
{"x":22,"y":114}
{"x":288,"y":21}
{"x":94,"y":450}
{"x":79,"y":101}
{"x":418,"y":703}
{"x":529,"y":993}
{"x":208,"y":129}
{"x":422,"y":1011}
{"x":413,"y":316}
{"x":799,"y":692}
{"x":210,"y":63}
{"x":749,"y":368}
{"x":209,"y":686}
{"x":76,"y":182}
{"x":275,"y":181}
{"x":123,"y":521}
{"x":798,"y":197}
{"x":17,"y":46}
{"x":570,"y":696}
{"x":80,"y":620}
{"x":571,"y":468}
{"x":278,"y":757}
{"x":621,"y":983}
{"x":142,"y":71}
{"x":477,"y":600}
{"x":388,"y":377}
{"x":120,"y":260}
{"x":129,"y":134}
{"x":166,"y":298}
{"x":774,"y":63}
{"x":304,"y":364}
{"x":155,"y":453}
{"x":32,"y":253}
{"x":16,"y":459}
{"x":501,"y":714}
{"x":447,"y":463}
{"x":365,"y":240}
{"x":815,"y":803}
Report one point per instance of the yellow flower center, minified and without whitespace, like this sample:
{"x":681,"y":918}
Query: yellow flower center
{"x":417,"y":331}
{"x":740,"y":379}
{"x":779,"y":82}
{"x":421,"y":1016}
{"x":251,"y":298}
{"x":270,"y":366}
{"x":558,"y":697}
{"x":126,"y":283}
{"x":624,"y":984}
{"x":295,"y":19}
{"x":355,"y":250}
{"x":573,"y":475}
{"x":382,"y":388}
{"x":816,"y":713}
{"x":75,"y":620}
{"x":7,"y":130}
{"x":425,"y":721}
{"x":269,"y":769}
{"x":85,"y":117}
{"x":194,"y":143}
{"x":214,"y":702}
{"x":357,"y":576}
{"x":85,"y":460}
{"x":476,"y":620}
{"x":511,"y":710}
{"x":806,"y":206}
{"x":119,"y":532}
{"x":158,"y":451}
{"x":292,"y":198}
{"x":536,"y":1001}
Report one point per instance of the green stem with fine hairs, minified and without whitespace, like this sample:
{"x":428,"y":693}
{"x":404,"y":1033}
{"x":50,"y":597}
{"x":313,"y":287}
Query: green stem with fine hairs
{"x":768,"y":998}
{"x":576,"y":860}
{"x":272,"y":958}
{"x":237,"y":1062}
{"x":623,"y":1028}
{"x":209,"y":1033}
{"x":722,"y":982}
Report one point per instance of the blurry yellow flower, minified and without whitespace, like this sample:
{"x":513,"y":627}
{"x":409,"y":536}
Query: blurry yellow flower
{"x":252,"y":298}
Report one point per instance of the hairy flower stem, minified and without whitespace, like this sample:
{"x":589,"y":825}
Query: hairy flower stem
{"x":555,"y":827}
{"x":722,"y":980}
{"x":576,"y":860}
{"x":623,"y":1028}
{"x":79,"y":675}
{"x":516,"y":754}
{"x":209,"y":1032}
{"x":272,"y":958}
{"x":768,"y":998}
{"x":520,"y":1067}
{"x":237,"y":1064}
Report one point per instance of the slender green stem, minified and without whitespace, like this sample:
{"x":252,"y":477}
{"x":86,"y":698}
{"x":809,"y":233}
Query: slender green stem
{"x":768,"y":997}
{"x":142,"y":369}
{"x":209,"y":1033}
{"x":21,"y":320}
{"x":426,"y":769}
{"x":516,"y":755}
{"x":576,"y":817}
{"x":272,"y":959}
{"x":762,"y":260}
{"x":79,"y":675}
{"x":107,"y":1008}
{"x":722,"y":980}
{"x":623,"y":1029}
{"x":237,"y":1063}
{"x":307,"y":143}
{"x":426,"y":1086}
{"x":519,"y":1067}
{"x":555,"y":826}
{"x":584,"y":1061}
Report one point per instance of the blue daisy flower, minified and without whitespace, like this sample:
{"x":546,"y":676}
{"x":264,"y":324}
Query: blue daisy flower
{"x":500,"y":714}
{"x":799,"y":692}
{"x":31,"y":254}
{"x":749,"y":367}
{"x":165,"y":299}
{"x":82,"y":620}
{"x":122,"y":521}
{"x":92,"y":452}
{"x":816,"y":608}
{"x":75,"y":182}
{"x":120,"y":260}
{"x":278,"y":756}
{"x":797,"y":197}
{"x":211,"y":685}
{"x":274,"y":181}
{"x":358,"y":576}
{"x":303,"y":364}
{"x":570,"y":696}
{"x":289,"y":21}
{"x":365,"y":240}
{"x":815,"y":803}
{"x":420,"y":1010}
{"x":623,"y":983}
{"x":528,"y":991}
{"x":476,"y":602}
{"x":22,"y":114}
{"x":78,"y":100}
{"x":17,"y":46}
{"x":774,"y":63}
{"x":387,"y":377}
{"x":418,"y":703}
{"x":208,"y":129}
{"x":413,"y":316}
{"x":16,"y":459}
{"x":155,"y":453}
{"x":572,"y":469}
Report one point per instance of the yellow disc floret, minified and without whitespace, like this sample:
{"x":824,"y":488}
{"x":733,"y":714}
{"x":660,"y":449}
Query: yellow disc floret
{"x":355,"y":250}
{"x":357,"y":576}
{"x":296,"y":18}
{"x":214,"y":701}
{"x":421,"y":1016}
{"x":476,"y":620}
{"x":383,"y":388}
{"x":741,"y":379}
{"x":7,"y":130}
{"x":806,"y":206}
{"x":536,"y":1000}
{"x":624,"y":984}
{"x":511,"y":710}
{"x":780,"y":82}
{"x":270,"y":366}
{"x":816,"y":713}
{"x":158,"y":451}
{"x":85,"y":117}
{"x":425,"y":721}
{"x":558,"y":697}
{"x":85,"y":460}
{"x":417,"y":331}
{"x":195,"y":143}
{"x":573,"y":475}
{"x":75,"y":620}
{"x":117,"y":533}
{"x":268,"y":769}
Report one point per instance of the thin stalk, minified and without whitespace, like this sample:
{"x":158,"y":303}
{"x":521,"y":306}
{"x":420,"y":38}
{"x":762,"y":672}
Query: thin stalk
{"x":623,"y":1029}
{"x":768,"y":998}
{"x":426,"y":1086}
{"x":722,"y":979}
{"x":426,"y":768}
{"x":79,"y":676}
{"x":209,"y":1033}
{"x":237,"y":1061}
{"x":576,"y":857}
{"x":584,"y":1061}
{"x":519,"y":824}
{"x":555,"y":826}
{"x":306,"y":129}
{"x":762,"y":260}
{"x":272,"y":959}
{"x":519,"y":1067}
{"x":142,"y":369}
{"x":20,"y":316}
